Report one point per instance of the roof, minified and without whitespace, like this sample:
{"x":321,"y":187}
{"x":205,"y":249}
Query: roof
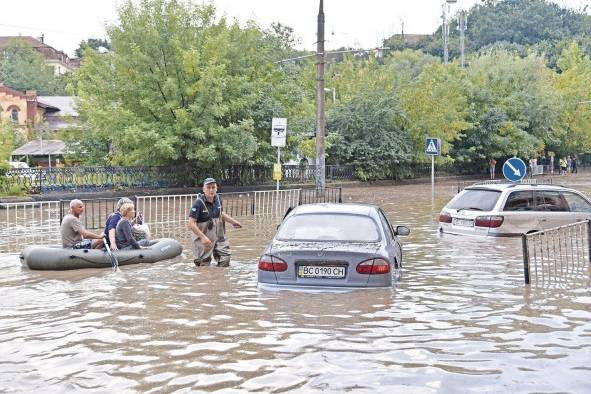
{"x":41,"y":148}
{"x":65,"y":104}
{"x":515,"y":186}
{"x":357,"y":209}
{"x":49,"y":52}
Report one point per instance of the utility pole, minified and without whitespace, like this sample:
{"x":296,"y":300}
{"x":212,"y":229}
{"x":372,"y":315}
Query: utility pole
{"x":463,"y":27}
{"x":444,"y":33}
{"x":320,"y":56}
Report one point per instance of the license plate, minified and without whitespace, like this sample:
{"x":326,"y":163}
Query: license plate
{"x":463,"y":222}
{"x":321,"y":271}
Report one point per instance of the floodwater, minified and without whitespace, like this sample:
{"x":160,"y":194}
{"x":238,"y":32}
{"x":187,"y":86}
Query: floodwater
{"x":459,"y":320}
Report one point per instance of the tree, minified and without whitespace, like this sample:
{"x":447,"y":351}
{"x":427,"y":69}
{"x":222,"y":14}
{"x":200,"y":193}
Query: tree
{"x":435,"y":103}
{"x":178,"y":86}
{"x":575,"y":117}
{"x":93,"y":43}
{"x":370,"y":134}
{"x":513,"y":109}
{"x":22,"y":68}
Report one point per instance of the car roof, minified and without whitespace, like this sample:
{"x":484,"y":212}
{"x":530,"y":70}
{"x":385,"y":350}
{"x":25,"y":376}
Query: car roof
{"x":516,"y":186}
{"x":347,"y":208}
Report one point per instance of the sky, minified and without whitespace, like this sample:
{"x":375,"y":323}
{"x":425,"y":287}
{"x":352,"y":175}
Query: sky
{"x":353,"y":23}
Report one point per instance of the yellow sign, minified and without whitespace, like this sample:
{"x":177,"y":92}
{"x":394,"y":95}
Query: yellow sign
{"x":277,"y":173}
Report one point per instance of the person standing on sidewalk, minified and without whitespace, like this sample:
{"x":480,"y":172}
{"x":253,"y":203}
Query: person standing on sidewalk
{"x":207,"y":224}
{"x":573,"y":164}
{"x":492,"y":166}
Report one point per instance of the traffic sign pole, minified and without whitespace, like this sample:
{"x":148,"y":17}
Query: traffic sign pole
{"x":432,"y":173}
{"x":278,"y":162}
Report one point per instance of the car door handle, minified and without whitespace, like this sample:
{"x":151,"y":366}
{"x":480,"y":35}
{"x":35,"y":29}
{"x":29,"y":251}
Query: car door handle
{"x":543,"y":220}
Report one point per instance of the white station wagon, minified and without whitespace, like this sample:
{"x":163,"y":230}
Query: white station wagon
{"x":512,"y":209}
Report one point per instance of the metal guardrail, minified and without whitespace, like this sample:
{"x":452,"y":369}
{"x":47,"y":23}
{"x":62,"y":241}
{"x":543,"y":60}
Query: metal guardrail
{"x":173,"y":209}
{"x":27,"y":223}
{"x":558,"y":255}
{"x":39,"y":222}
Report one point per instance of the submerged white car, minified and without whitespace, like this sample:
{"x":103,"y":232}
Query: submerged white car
{"x":512,"y":209}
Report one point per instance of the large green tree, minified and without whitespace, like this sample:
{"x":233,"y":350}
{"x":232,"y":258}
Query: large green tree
{"x":513,"y":108}
{"x":369,"y":133}
{"x":22,"y":68}
{"x":179,"y":85}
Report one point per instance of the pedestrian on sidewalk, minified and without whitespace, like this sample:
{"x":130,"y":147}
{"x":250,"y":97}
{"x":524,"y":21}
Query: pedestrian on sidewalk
{"x":492,"y":164}
{"x":573,"y":163}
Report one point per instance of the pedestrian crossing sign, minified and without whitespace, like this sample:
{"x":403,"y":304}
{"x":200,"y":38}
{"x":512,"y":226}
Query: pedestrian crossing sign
{"x":433,"y":146}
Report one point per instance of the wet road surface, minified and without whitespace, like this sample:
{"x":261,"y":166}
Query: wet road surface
{"x":459,"y":320}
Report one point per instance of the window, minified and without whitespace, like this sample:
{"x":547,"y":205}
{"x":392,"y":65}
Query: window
{"x":329,"y":227}
{"x":386,"y":225}
{"x":476,"y":199}
{"x":14,"y":115}
{"x":577,"y":203}
{"x":520,"y":201}
{"x":551,"y":201}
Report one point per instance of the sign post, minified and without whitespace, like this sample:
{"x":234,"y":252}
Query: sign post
{"x":278,"y":137}
{"x":514,"y":169}
{"x":433,"y":148}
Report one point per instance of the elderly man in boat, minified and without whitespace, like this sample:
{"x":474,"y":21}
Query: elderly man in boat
{"x":74,"y":234}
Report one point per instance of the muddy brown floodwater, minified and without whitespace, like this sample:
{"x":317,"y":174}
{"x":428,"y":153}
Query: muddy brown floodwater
{"x":459,"y":320}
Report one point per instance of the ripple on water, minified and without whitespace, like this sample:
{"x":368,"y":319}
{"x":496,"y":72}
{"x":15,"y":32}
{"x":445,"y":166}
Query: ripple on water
{"x":460,"y":319}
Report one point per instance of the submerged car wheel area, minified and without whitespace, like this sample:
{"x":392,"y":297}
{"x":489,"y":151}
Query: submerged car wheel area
{"x":512,"y":209}
{"x":333,"y":245}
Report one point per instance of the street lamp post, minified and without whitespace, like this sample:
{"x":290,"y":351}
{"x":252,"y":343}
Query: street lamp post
{"x":445,"y":28}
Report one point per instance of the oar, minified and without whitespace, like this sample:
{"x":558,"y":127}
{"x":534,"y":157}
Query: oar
{"x":114,"y":262}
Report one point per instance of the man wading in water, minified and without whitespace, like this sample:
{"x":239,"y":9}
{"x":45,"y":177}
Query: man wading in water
{"x":206,"y":221}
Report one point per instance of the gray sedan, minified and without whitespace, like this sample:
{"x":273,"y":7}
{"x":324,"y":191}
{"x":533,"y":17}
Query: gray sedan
{"x":333,"y":245}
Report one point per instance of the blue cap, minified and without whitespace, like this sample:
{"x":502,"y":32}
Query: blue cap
{"x":207,"y":181}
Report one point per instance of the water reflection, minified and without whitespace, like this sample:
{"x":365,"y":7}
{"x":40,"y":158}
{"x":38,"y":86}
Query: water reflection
{"x":460,"y":319}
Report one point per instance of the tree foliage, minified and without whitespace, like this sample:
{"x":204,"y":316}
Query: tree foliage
{"x":370,"y":134}
{"x":22,"y":68}
{"x":93,"y":43}
{"x":179,"y":86}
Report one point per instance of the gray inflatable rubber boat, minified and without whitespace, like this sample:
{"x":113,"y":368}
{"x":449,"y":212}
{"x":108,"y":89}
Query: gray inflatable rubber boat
{"x":59,"y":259}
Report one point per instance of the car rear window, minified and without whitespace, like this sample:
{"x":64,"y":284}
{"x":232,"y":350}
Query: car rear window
{"x":329,"y":227}
{"x":476,"y":199}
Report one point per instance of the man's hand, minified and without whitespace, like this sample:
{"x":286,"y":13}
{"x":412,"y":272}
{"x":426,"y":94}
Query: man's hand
{"x":114,"y":247}
{"x":207,"y":244}
{"x":236,"y":224}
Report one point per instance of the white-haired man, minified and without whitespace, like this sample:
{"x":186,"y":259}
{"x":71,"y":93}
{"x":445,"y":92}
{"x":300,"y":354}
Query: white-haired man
{"x":74,"y":235}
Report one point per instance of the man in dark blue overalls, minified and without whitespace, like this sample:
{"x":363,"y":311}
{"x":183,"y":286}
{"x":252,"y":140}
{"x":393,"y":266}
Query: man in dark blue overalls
{"x":206,"y":221}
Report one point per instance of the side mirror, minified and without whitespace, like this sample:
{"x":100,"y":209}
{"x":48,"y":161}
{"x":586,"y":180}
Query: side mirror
{"x":402,"y":230}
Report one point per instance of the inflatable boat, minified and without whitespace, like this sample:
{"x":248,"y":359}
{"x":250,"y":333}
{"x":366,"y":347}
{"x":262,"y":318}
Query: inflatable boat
{"x":58,"y":259}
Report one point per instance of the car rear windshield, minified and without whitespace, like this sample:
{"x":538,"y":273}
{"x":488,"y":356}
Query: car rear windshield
{"x":329,"y":227}
{"x":476,"y":199}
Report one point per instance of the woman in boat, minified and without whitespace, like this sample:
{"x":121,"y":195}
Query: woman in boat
{"x":124,"y":235}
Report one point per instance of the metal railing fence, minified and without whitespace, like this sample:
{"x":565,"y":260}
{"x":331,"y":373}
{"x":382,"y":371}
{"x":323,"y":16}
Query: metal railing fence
{"x":39,"y":222}
{"x":558,"y":256}
{"x":23,"y":223}
{"x":83,"y":179}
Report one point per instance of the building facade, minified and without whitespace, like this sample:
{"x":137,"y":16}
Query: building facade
{"x":59,"y":60}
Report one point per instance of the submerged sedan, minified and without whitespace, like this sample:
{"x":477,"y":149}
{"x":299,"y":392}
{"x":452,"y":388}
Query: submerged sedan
{"x":333,"y":245}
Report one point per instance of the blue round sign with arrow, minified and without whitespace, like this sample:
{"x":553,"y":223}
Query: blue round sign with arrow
{"x":514,"y":169}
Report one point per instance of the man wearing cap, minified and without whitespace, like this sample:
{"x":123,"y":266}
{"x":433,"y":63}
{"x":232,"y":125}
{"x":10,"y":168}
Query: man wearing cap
{"x":206,"y":221}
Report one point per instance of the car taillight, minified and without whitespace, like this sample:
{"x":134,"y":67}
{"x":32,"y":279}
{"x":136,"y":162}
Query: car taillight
{"x":444,"y":217}
{"x":489,"y":221}
{"x":272,"y":263}
{"x":373,"y":267}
